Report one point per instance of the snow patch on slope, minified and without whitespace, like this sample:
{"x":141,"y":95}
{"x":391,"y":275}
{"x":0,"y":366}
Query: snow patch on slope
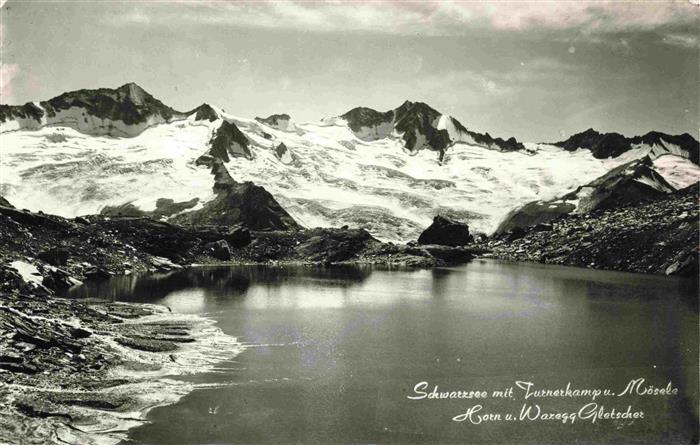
{"x":679,"y":171}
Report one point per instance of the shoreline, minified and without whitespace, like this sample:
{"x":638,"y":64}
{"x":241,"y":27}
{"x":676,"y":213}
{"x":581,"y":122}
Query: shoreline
{"x":101,"y":406}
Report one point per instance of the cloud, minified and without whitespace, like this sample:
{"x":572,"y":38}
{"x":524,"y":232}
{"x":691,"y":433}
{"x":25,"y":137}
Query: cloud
{"x":685,"y":40}
{"x":7,"y":73}
{"x":425,"y":18}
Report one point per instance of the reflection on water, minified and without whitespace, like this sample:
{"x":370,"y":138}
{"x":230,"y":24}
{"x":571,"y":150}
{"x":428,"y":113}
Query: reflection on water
{"x":333,"y":352}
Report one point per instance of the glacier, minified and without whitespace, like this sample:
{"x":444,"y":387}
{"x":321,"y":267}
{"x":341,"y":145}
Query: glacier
{"x":321,"y":172}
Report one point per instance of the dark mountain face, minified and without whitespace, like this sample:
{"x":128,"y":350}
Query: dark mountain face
{"x":417,"y":123}
{"x":612,"y":145}
{"x":129,"y":103}
{"x":414,"y":120}
{"x":204,"y":112}
{"x":624,"y":185}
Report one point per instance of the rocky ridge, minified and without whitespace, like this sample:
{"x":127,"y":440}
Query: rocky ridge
{"x":606,"y":145}
{"x":124,"y":111}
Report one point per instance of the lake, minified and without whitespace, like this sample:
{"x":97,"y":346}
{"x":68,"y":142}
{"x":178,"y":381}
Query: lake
{"x":333,"y":354}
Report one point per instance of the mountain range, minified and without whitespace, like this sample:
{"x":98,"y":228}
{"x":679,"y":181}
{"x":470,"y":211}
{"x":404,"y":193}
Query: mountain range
{"x":123,"y":152}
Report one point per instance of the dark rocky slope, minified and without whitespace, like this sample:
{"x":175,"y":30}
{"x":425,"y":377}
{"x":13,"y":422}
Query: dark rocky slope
{"x":659,"y":236}
{"x":237,"y":204}
{"x":612,"y":145}
{"x":626,"y":184}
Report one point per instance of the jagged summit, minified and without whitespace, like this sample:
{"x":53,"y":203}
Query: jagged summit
{"x":420,"y":126}
{"x":134,"y":92}
{"x":204,"y":112}
{"x":611,"y":145}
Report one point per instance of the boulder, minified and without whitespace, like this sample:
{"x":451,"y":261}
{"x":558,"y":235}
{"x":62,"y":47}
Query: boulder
{"x":58,"y":280}
{"x":219,"y":250}
{"x":97,"y":274}
{"x":515,"y":234}
{"x":238,"y":237}
{"x":446,"y":232}
{"x":56,"y":257}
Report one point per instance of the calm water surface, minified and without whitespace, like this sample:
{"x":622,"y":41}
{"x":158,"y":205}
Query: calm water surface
{"x":333,"y":353}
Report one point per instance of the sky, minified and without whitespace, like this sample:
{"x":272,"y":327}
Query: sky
{"x":539,"y":71}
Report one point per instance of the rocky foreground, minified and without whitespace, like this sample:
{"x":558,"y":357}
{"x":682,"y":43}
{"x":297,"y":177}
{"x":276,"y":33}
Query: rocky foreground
{"x":659,"y":236}
{"x":69,"y":370}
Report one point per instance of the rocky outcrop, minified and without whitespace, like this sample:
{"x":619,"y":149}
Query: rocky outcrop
{"x":420,"y":127}
{"x":369,"y":124}
{"x":5,"y":203}
{"x":124,"y":112}
{"x":659,"y":236}
{"x":284,"y":154}
{"x":229,"y":141}
{"x":278,"y":121}
{"x":627,"y":184}
{"x":612,"y":145}
{"x":446,"y":232}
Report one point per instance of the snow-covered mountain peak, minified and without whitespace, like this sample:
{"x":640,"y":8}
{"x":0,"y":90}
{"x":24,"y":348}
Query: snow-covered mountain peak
{"x":124,"y":112}
{"x":420,"y":126}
